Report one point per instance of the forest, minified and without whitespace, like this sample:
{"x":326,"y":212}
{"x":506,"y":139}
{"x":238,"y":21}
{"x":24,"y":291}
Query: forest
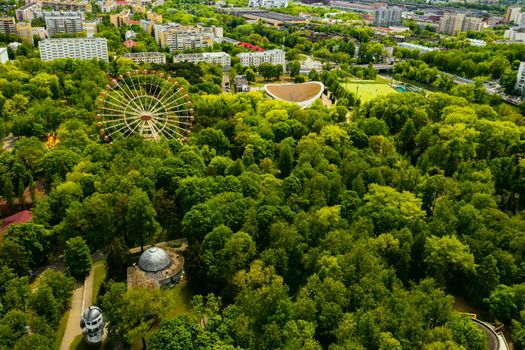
{"x":305,"y":231}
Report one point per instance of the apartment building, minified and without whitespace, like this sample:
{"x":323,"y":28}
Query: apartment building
{"x":7,"y":25}
{"x":218,"y":58}
{"x":248,"y":59}
{"x":121,"y":18}
{"x":146,"y":57}
{"x":39,"y":32}
{"x":512,"y":14}
{"x":90,"y":28}
{"x":26,"y":13}
{"x":63,"y":22}
{"x":515,"y":34}
{"x":57,"y":5}
{"x":182,"y":38}
{"x":79,"y":48}
{"x":472,"y":24}
{"x":107,"y":6}
{"x":387,"y":16}
{"x":520,"y":82}
{"x":3,"y":55}
{"x":154,"y":17}
{"x":271,"y":4}
{"x":25,"y":32}
{"x":452,"y":23}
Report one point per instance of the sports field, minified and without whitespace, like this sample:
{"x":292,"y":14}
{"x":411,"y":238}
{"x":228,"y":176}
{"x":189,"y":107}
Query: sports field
{"x":368,"y":89}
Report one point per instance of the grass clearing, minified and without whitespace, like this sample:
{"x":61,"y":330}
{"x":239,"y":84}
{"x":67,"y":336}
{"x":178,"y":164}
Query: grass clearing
{"x":368,"y":89}
{"x":100,"y":273}
{"x":59,"y":334}
{"x":178,"y":300}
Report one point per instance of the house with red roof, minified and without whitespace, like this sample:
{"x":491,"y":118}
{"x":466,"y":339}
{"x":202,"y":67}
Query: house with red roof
{"x":130,"y":43}
{"x":17,"y":218}
{"x":251,"y":47}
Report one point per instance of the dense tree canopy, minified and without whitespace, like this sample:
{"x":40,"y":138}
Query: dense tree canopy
{"x":305,"y":228}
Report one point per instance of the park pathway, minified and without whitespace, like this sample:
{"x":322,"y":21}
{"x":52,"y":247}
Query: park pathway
{"x":73,"y":322}
{"x":82,"y":298}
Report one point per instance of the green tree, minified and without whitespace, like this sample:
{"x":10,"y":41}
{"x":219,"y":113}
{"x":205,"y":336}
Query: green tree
{"x":293,"y":68}
{"x":45,"y":305}
{"x":140,"y":218}
{"x":285,"y":160}
{"x":77,"y":257}
{"x":389,"y":209}
{"x":250,"y":75}
{"x":447,"y":257}
{"x":266,"y":70}
{"x":132,"y":313}
{"x":313,"y":75}
{"x":61,"y":286}
{"x":36,"y":240}
{"x":118,"y":258}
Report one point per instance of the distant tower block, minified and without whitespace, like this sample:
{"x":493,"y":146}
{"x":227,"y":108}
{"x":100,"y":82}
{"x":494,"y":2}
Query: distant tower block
{"x":92,"y":324}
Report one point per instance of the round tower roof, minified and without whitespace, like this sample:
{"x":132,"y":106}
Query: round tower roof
{"x":91,"y":314}
{"x":154,"y":259}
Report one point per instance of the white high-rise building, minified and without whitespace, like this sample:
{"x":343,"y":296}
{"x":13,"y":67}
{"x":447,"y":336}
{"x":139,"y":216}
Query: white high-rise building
{"x":3,"y":55}
{"x":7,"y":25}
{"x":514,"y":34}
{"x":271,"y":4}
{"x":451,"y":23}
{"x":520,"y":82}
{"x":178,"y":37}
{"x":146,"y":57}
{"x":79,"y":48}
{"x":512,"y":14}
{"x":90,"y":27}
{"x":248,"y":59}
{"x":219,"y":58}
{"x":387,"y":16}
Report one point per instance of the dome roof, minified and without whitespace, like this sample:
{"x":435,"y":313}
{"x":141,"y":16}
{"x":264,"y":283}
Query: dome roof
{"x":91,"y":314}
{"x":154,"y":259}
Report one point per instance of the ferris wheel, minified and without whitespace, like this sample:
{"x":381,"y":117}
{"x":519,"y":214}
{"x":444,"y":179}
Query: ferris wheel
{"x":144,"y":103}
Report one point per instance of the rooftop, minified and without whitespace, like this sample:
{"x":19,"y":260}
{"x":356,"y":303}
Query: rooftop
{"x":143,"y":54}
{"x":269,"y":52}
{"x":155,"y":266}
{"x":154,"y":259}
{"x":17,"y":218}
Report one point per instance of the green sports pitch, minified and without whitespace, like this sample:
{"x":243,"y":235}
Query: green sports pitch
{"x":368,"y":90}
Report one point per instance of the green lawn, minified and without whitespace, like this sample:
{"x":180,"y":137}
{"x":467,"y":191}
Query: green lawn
{"x":99,"y":269}
{"x":59,"y":334}
{"x":368,"y":89}
{"x":179,"y":300}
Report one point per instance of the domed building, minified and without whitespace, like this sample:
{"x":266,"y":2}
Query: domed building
{"x":157,"y":267}
{"x":92,"y":325}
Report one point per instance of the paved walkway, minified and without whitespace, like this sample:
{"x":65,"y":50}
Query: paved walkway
{"x":73,"y":322}
{"x":82,"y":298}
